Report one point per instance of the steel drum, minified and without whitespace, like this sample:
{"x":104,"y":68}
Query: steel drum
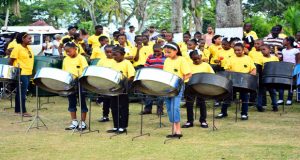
{"x":210,"y":85}
{"x":46,"y":61}
{"x":55,"y":81}
{"x":157,"y":82}
{"x":103,"y":80}
{"x":241,"y":81}
{"x":8,"y":73}
{"x":278,"y":74}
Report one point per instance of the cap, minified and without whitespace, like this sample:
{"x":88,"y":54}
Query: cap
{"x":72,"y":26}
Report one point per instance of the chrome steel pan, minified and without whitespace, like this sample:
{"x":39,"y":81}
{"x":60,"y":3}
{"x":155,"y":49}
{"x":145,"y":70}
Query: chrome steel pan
{"x":157,"y":82}
{"x":55,"y":80}
{"x":210,"y":85}
{"x":8,"y":73}
{"x":102,"y":80}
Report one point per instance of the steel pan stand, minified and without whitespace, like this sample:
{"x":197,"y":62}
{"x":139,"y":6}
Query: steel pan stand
{"x":173,"y":114}
{"x":213,"y":116}
{"x":90,"y":116}
{"x":10,"y":95}
{"x":37,"y":118}
{"x":141,"y":127}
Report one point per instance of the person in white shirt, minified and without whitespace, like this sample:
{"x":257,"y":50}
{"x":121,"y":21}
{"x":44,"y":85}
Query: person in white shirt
{"x":289,"y":55}
{"x":47,"y":47}
{"x":131,"y":35}
{"x":56,"y":44}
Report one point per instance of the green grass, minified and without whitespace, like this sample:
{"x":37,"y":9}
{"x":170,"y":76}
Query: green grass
{"x":264,"y":136}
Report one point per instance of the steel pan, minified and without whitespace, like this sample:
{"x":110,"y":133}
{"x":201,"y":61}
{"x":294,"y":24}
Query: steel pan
{"x":8,"y":73}
{"x":55,"y":81}
{"x":102,"y":80}
{"x":278,"y":74}
{"x":46,"y":61}
{"x":241,"y":81}
{"x":157,"y":82}
{"x":210,"y":85}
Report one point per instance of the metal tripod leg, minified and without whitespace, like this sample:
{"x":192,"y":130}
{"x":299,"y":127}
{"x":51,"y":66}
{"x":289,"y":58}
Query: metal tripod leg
{"x":141,"y":128}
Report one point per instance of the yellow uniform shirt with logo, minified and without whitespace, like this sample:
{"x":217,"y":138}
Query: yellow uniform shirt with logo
{"x":12,"y":44}
{"x":125,"y":67}
{"x":251,"y":33}
{"x":201,"y":68}
{"x":24,"y":58}
{"x":178,"y":66}
{"x":98,"y":53}
{"x":128,"y":43}
{"x":70,"y":64}
{"x":80,"y":50}
{"x":242,"y":64}
{"x":130,"y":51}
{"x":226,"y":54}
{"x":256,"y":56}
{"x":64,"y":37}
{"x":183,"y":47}
{"x":105,"y":62}
{"x":214,"y":51}
{"x":94,"y":40}
{"x":144,"y":53}
{"x":269,"y":59}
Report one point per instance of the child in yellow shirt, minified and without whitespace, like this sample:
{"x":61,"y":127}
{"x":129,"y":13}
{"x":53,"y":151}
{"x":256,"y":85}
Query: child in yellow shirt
{"x":197,"y":66}
{"x":183,"y":45}
{"x":226,"y":53}
{"x":75,"y":63}
{"x":205,"y":51}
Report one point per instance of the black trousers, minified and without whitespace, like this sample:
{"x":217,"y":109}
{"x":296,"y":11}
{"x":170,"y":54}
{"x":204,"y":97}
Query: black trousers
{"x":200,"y":102}
{"x":120,"y":110}
{"x":106,"y":105}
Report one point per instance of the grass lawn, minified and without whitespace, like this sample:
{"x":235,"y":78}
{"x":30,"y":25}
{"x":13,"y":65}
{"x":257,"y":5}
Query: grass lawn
{"x":264,"y":136}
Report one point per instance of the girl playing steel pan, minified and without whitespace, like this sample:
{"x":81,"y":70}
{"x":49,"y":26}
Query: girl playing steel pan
{"x":243,"y":64}
{"x":197,"y":66}
{"x":177,"y":65}
{"x":75,"y":63}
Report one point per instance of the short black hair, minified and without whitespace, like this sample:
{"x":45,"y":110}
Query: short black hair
{"x":66,"y":40}
{"x":156,"y":45}
{"x":122,"y":35}
{"x":116,"y":33}
{"x":76,"y":35}
{"x":239,"y":45}
{"x":102,"y":38}
{"x":266,"y":45}
{"x":214,"y":38}
{"x":194,"y":52}
{"x":119,"y":49}
{"x":70,"y":44}
{"x":187,"y":33}
{"x":108,"y":46}
{"x":98,"y":26}
{"x":138,"y":36}
{"x":83,"y":32}
{"x":194,"y":41}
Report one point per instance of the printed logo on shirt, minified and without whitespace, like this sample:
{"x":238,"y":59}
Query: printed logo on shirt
{"x":175,"y":70}
{"x":245,"y":66}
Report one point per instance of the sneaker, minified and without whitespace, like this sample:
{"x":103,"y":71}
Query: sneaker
{"x":221,"y":115}
{"x":112,"y":130}
{"x":244,"y":117}
{"x":188,"y":125}
{"x":217,"y":104}
{"x":204,"y":125}
{"x":289,"y":102}
{"x":82,"y":126}
{"x":280,"y":102}
{"x":122,"y":130}
{"x":103,"y":119}
{"x":74,"y":125}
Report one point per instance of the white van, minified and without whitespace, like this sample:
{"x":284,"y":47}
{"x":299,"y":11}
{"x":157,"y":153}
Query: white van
{"x":38,"y":34}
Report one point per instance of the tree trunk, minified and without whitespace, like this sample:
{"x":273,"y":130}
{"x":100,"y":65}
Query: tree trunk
{"x":177,"y":16}
{"x":141,"y":14}
{"x":90,"y":4}
{"x":6,"y":18}
{"x":196,"y":11}
{"x":229,"y":13}
{"x":121,"y":13}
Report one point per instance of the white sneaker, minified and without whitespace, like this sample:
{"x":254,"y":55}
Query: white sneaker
{"x":74,"y":125}
{"x":280,"y":101}
{"x":288,"y":102}
{"x":82,"y":125}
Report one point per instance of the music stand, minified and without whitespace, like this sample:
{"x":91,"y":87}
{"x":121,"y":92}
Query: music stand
{"x":37,"y":118}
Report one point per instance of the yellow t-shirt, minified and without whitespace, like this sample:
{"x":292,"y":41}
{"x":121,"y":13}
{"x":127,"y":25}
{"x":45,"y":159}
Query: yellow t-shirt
{"x":94,"y":40}
{"x":183,"y":47}
{"x":256,"y":56}
{"x":269,"y":59}
{"x":128,"y":43}
{"x":201,"y":68}
{"x":178,"y":66}
{"x":80,"y":50}
{"x":144,"y":53}
{"x":214,"y":51}
{"x":206,"y":54}
{"x":64,"y":37}
{"x":12,"y":44}
{"x":226,"y":54}
{"x":282,"y":35}
{"x":105,"y":62}
{"x":70,"y":64}
{"x":251,"y":33}
{"x":98,"y":53}
{"x":24,"y":57}
{"x":130,"y":51}
{"x":242,"y":64}
{"x":124,"y":67}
